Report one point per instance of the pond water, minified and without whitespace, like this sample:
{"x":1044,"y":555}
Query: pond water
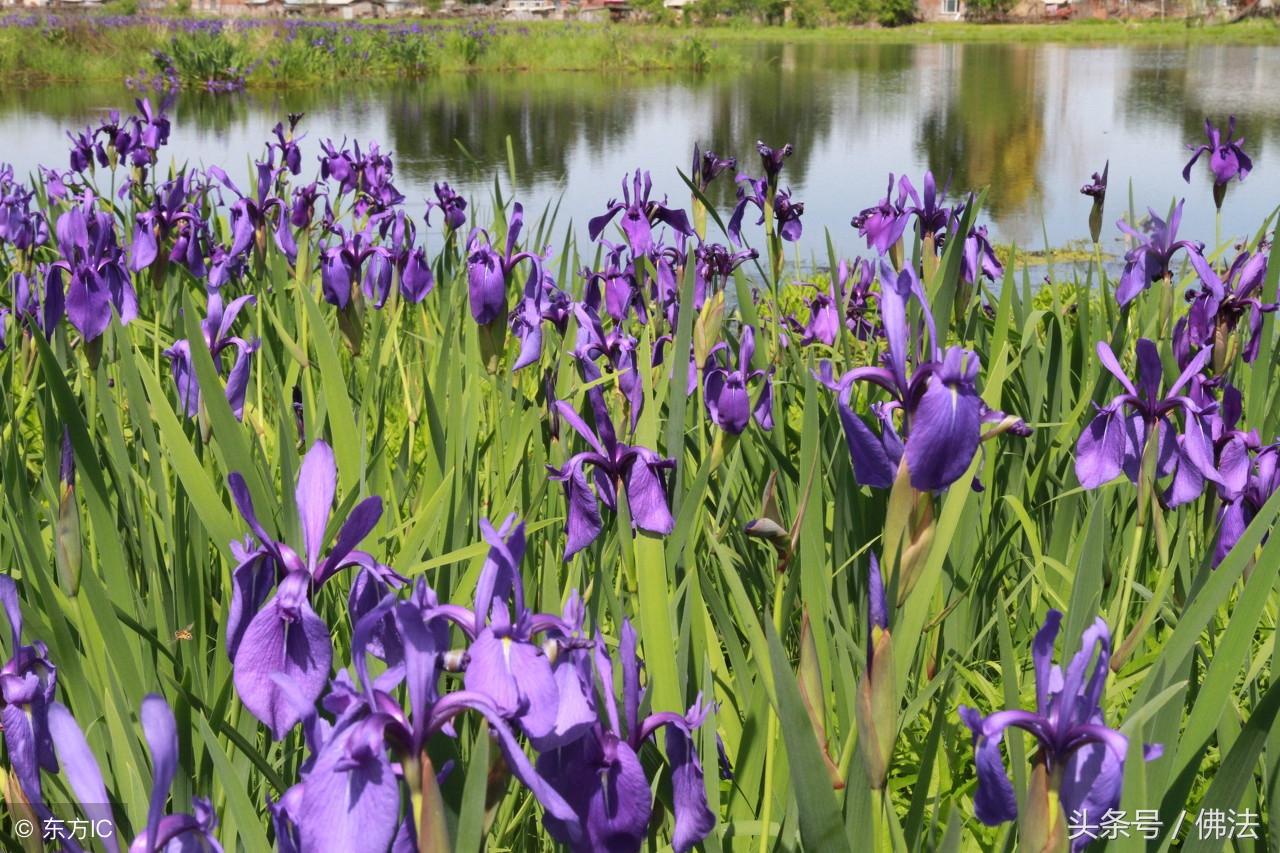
{"x":1029,"y":121}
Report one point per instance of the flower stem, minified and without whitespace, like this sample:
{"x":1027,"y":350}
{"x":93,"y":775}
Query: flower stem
{"x":1164,"y":580}
{"x":771,"y":738}
{"x":1126,"y":582}
{"x":881,"y":840}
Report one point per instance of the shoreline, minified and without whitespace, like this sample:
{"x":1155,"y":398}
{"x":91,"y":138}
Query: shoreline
{"x":236,"y":53}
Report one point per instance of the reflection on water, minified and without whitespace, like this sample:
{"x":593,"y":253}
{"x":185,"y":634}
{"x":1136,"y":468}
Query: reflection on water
{"x":1028,"y":121}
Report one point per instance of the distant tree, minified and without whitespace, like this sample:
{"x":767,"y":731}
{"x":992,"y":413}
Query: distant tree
{"x":987,"y":10}
{"x":809,"y":13}
{"x":853,"y":11}
{"x":895,"y":13}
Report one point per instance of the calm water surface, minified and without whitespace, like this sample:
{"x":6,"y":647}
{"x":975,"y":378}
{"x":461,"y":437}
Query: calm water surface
{"x":1029,"y":121}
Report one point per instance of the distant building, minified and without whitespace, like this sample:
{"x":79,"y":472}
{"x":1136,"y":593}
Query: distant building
{"x":599,"y":10}
{"x":941,"y":10}
{"x":528,"y":10}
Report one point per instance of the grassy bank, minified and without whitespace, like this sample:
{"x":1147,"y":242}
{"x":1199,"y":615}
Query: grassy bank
{"x":1257,"y":31}
{"x":40,"y":49}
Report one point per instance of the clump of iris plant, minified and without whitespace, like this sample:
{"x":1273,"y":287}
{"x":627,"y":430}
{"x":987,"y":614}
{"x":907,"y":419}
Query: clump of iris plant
{"x":371,"y":760}
{"x":937,"y":399}
{"x":929,"y":427}
{"x":489,"y":274}
{"x":192,"y":831}
{"x":1079,"y":764}
{"x":600,"y":774}
{"x":28,"y":681}
{"x":1218,"y":308}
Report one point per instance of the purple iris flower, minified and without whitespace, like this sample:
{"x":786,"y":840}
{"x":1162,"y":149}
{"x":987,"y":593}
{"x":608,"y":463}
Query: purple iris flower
{"x":616,"y":349}
{"x":884,"y":223}
{"x":1114,"y":441}
{"x":942,"y":412}
{"x":859,"y":297}
{"x":45,"y":306}
{"x":349,"y":260}
{"x":504,"y":662}
{"x":786,"y":213}
{"x":57,"y":185}
{"x":164,"y":832}
{"x":639,"y":214}
{"x":1097,"y":190}
{"x":20,"y":226}
{"x":933,"y":218}
{"x":216,"y":327}
{"x":601,"y":775}
{"x":400,"y":260}
{"x":488,"y":272}
{"x":636,"y":469}
{"x":95,"y":264}
{"x":303,"y":207}
{"x":979,"y":258}
{"x":287,"y":144}
{"x":1149,"y":260}
{"x":1097,"y":186}
{"x":617,"y":280}
{"x":751,"y":191}
{"x":451,"y":205}
{"x":543,"y":301}
{"x":1082,"y":755}
{"x":727,"y":393}
{"x":171,"y":214}
{"x":707,"y":166}
{"x":27,"y":684}
{"x":368,"y":175}
{"x":284,"y":636}
{"x":1227,"y":159}
{"x":773,"y":158}
{"x":1221,"y":303}
{"x":1249,"y":472}
{"x":84,"y":153}
{"x":715,"y":262}
{"x":338,"y":163}
{"x":153,"y":127}
{"x":1250,"y":476}
{"x":225,"y":267}
{"x":251,"y":216}
{"x":823,"y":324}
